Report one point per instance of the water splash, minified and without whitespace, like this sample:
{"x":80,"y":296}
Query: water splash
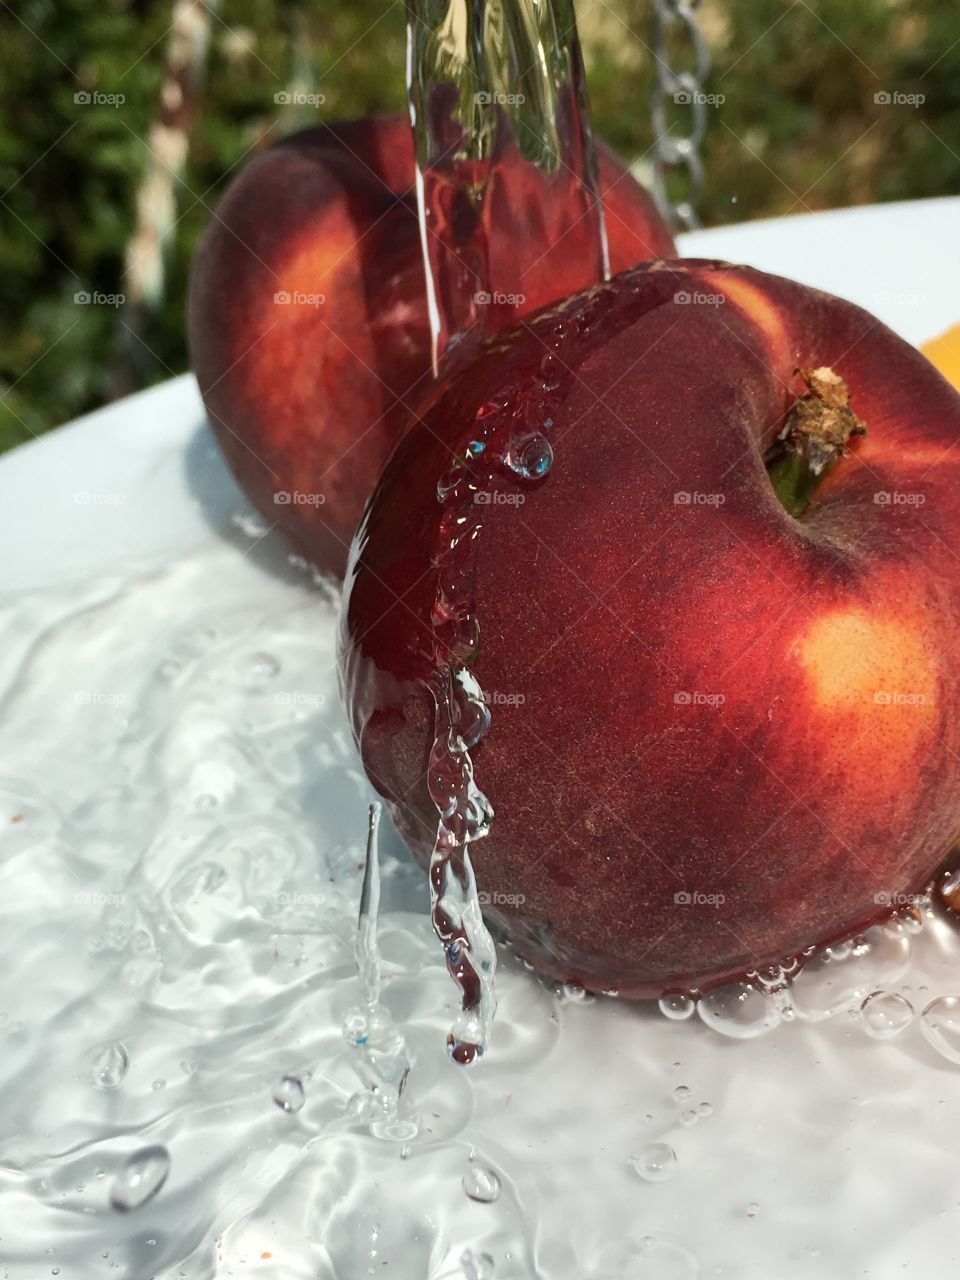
{"x":383,"y":1063}
{"x":503,"y":147}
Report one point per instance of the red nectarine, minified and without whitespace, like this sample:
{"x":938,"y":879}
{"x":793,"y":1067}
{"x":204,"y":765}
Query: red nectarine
{"x":721,"y":733}
{"x":307,"y":319}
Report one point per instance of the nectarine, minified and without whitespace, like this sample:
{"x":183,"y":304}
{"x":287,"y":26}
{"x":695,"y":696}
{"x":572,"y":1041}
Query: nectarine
{"x":721,"y":733}
{"x":307,"y":319}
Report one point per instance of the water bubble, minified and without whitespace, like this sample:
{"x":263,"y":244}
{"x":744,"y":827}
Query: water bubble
{"x":884,"y":1014}
{"x":682,"y":1092}
{"x":752,"y":1209}
{"x":656,"y":1163}
{"x":705,"y":1109}
{"x":107,"y":1065}
{"x":530,"y":456}
{"x":476,"y":1266}
{"x":940,"y":1024}
{"x":481,"y":1184}
{"x":158,"y":1085}
{"x":677,"y":1007}
{"x":288,"y":1094}
{"x":573,"y":993}
{"x":262,"y":667}
{"x":140,"y":1178}
{"x":739,"y":1010}
{"x":689,"y":1118}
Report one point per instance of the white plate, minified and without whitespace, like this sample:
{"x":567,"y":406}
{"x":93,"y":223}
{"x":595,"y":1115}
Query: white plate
{"x":180,"y":833}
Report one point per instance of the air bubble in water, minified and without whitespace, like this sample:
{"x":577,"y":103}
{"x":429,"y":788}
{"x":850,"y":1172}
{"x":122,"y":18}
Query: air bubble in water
{"x":481,"y":1184}
{"x":530,"y":456}
{"x":884,"y":1014}
{"x":656,"y":1163}
{"x":739,"y":1010}
{"x":140,"y":1179}
{"x":288,"y":1094}
{"x":940,"y":1024}
{"x":476,"y":1266}
{"x":677,"y":1007}
{"x":107,"y":1065}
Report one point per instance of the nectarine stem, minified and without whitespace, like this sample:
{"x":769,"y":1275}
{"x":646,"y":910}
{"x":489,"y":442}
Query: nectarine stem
{"x":815,"y":437}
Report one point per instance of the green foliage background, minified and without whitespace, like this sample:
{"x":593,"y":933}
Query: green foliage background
{"x":799,"y":129}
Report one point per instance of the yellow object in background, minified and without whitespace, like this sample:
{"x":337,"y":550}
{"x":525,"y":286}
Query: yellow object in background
{"x":944,"y":352}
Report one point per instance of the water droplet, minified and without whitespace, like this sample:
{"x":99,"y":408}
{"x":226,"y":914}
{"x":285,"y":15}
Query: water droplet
{"x":476,"y":1266}
{"x":657,"y":1163}
{"x":107,"y":1065}
{"x":739,"y":1010}
{"x":705,"y":1109}
{"x":158,"y":1085}
{"x":682,"y":1092}
{"x":140,"y":1178}
{"x":530,"y":456}
{"x":481,"y":1184}
{"x":689,"y":1118}
{"x":677,"y":1007}
{"x":288,"y":1094}
{"x":752,"y":1209}
{"x":940,"y":1024}
{"x":884,"y":1014}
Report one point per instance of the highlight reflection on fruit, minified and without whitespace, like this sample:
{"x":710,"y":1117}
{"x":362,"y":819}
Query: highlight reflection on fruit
{"x":308,"y":325}
{"x":722,"y":733}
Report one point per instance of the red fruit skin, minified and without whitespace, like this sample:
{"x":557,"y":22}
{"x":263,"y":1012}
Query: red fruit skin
{"x":307,"y":400}
{"x":649,"y":837}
